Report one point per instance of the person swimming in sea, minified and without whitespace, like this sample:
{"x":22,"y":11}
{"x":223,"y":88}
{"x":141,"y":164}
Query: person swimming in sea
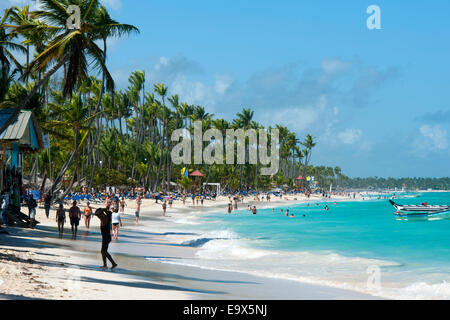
{"x":326,"y":208}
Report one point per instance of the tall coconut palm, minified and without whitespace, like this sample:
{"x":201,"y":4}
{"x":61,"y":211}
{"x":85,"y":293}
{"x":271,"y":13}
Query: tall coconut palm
{"x":76,"y":48}
{"x":7,"y":46}
{"x":309,"y":144}
{"x":74,"y":116}
{"x":161,"y":90}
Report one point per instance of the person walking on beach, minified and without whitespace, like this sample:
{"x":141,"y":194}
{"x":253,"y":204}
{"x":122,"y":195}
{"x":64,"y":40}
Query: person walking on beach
{"x":5,"y":204}
{"x":164,"y":207}
{"x":116,"y":204}
{"x":31,"y":210}
{"x":87,"y":215}
{"x":47,"y":203}
{"x":60,"y":219}
{"x":116,"y":223}
{"x":74,"y":216}
{"x":230,"y":207}
{"x":122,"y":205}
{"x":138,"y":208}
{"x":105,"y":227}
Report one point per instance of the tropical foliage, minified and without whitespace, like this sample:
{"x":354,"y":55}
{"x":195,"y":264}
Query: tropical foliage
{"x":100,"y":135}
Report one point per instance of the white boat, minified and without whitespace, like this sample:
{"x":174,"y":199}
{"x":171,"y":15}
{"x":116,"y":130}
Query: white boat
{"x":419,"y":210}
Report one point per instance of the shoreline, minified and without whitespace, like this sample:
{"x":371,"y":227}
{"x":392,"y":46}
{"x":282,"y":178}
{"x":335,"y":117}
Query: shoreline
{"x":69,"y":269}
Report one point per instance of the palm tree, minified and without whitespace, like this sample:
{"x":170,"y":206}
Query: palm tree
{"x":7,"y":46}
{"x":309,"y":144}
{"x":74,"y":116}
{"x":71,"y":47}
{"x":161,"y":90}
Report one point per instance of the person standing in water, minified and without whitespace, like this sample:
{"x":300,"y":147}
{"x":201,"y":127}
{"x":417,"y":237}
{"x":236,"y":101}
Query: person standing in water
{"x":254,"y":210}
{"x":230,"y":207}
{"x":105,"y":227}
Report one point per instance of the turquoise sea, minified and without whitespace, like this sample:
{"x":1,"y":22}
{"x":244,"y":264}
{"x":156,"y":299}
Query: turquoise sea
{"x":358,"y":245}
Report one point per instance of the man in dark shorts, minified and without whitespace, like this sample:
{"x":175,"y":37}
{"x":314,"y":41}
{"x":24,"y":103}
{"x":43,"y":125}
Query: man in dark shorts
{"x":74,"y":215}
{"x":105,"y":226}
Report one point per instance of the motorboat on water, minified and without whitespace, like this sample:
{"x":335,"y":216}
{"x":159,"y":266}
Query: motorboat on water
{"x":423,"y":209}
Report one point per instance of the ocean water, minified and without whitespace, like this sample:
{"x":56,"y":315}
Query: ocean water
{"x":356,"y":245}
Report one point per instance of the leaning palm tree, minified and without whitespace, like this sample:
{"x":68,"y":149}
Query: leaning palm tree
{"x":75,"y":117}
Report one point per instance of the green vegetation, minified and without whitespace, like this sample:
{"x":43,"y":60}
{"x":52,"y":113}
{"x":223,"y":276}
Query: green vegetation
{"x":103,"y":136}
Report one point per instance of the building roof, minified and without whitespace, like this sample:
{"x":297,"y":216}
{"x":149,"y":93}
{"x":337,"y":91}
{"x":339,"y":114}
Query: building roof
{"x":21,"y":129}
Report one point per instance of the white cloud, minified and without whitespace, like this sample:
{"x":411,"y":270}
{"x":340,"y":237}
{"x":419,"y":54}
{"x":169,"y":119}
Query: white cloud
{"x":434,"y":137}
{"x":297,"y":118}
{"x":350,"y":136}
{"x":222,"y":83}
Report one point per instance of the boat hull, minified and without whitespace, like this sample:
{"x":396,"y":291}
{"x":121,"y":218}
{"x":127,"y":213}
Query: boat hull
{"x":422,"y":210}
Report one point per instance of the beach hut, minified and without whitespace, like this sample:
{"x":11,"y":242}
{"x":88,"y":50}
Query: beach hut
{"x":299,"y":178}
{"x":197,"y":174}
{"x":22,"y":136}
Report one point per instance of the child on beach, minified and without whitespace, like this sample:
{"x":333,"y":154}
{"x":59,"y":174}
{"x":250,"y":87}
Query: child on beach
{"x":116,"y":223}
{"x":105,"y":227}
{"x":60,"y":219}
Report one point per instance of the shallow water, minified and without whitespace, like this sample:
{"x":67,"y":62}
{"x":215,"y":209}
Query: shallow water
{"x":355,"y":245}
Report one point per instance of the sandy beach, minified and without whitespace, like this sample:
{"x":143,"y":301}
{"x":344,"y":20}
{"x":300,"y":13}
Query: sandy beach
{"x":36,"y":264}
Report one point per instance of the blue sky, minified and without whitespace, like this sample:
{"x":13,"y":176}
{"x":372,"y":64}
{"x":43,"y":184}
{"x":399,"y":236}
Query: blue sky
{"x":377,"y":101}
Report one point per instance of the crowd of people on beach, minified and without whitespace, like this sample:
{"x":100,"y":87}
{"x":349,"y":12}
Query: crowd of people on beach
{"x":113,"y":201}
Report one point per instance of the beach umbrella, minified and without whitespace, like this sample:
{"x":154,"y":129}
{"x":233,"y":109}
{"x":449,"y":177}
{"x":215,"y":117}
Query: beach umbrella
{"x":197,"y":173}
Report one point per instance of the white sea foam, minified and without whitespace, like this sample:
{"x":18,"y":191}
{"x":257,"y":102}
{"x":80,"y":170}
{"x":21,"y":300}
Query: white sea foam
{"x":224,"y":250}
